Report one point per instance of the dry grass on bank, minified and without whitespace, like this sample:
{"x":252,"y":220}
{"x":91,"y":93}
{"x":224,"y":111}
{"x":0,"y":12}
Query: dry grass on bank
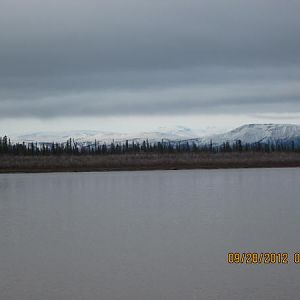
{"x":147,"y":161}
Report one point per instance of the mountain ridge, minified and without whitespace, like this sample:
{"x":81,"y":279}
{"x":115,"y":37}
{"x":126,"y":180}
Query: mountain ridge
{"x":254,"y":133}
{"x":247,"y":133}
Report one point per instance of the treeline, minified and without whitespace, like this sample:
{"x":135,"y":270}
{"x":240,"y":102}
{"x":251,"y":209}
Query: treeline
{"x":74,"y":148}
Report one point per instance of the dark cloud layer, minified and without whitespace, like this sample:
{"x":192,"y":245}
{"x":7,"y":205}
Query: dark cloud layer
{"x":123,"y":57}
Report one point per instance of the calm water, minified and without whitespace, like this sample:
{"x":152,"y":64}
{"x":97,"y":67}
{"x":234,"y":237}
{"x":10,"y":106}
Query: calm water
{"x":148,"y":235}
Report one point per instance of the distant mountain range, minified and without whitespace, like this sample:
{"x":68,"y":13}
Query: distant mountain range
{"x":81,"y":136}
{"x":253,"y":133}
{"x":250,"y":133}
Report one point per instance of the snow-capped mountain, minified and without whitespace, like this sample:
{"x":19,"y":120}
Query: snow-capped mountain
{"x":250,"y":133}
{"x":253,"y":133}
{"x":82,"y":136}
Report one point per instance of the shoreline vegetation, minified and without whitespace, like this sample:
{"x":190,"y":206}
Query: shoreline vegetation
{"x":145,"y":161}
{"x":134,"y":155}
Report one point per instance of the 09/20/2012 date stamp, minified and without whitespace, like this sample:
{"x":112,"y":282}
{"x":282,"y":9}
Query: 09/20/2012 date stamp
{"x":263,"y":258}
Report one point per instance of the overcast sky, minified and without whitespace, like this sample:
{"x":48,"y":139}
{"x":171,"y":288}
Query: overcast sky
{"x":137,"y":64}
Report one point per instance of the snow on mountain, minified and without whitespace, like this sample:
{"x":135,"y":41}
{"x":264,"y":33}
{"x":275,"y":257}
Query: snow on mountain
{"x":249,"y":133}
{"x":82,"y":136}
{"x":252,"y":133}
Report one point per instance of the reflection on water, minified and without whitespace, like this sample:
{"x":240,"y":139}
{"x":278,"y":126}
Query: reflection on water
{"x":148,"y":235}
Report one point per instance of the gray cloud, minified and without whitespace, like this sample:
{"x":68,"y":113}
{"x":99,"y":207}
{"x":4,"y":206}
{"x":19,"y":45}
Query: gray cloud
{"x":184,"y":99}
{"x":63,"y":58}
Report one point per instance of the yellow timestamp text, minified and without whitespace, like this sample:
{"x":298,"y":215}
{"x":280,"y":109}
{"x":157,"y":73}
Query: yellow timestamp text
{"x":262,"y":258}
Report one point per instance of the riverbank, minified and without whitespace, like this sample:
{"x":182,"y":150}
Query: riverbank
{"x":146,"y":161}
